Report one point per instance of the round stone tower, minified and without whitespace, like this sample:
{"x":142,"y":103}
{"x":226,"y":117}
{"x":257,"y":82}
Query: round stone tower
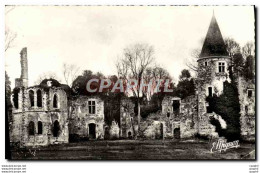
{"x":213,"y":66}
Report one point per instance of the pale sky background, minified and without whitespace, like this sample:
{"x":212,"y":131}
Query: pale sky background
{"x":92,"y":37}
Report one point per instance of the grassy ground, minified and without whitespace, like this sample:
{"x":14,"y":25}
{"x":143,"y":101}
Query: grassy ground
{"x":134,"y":150}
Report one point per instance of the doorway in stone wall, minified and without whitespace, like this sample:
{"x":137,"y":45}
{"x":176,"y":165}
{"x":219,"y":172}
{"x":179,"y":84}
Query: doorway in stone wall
{"x":161,"y":131}
{"x":56,"y":128}
{"x":106,"y":133}
{"x":177,"y":133}
{"x":92,"y":131}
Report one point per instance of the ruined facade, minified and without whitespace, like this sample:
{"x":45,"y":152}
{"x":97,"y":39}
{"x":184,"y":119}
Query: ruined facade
{"x":191,"y":116}
{"x":247,"y":108}
{"x":177,"y":120}
{"x":86,"y":117}
{"x":39,"y":113}
{"x":127,"y":119}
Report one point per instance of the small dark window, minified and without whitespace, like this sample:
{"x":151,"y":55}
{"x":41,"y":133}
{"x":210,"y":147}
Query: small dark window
{"x":31,"y":128}
{"x":39,"y":98}
{"x":31,"y":97}
{"x":206,"y":63}
{"x":168,"y":114}
{"x":210,"y":91}
{"x":249,"y":93}
{"x":176,"y":106}
{"x":39,"y":127}
{"x":55,"y":101}
{"x":246,"y":109}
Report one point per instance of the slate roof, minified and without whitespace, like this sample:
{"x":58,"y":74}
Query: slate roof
{"x":214,"y":44}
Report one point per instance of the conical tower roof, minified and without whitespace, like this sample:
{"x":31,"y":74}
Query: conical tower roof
{"x":214,"y":44}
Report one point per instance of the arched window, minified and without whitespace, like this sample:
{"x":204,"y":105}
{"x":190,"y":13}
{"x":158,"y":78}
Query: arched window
{"x":39,"y":127}
{"x":56,"y":128}
{"x":55,"y":101}
{"x":39,"y":98}
{"x":31,"y":128}
{"x":31,"y":97}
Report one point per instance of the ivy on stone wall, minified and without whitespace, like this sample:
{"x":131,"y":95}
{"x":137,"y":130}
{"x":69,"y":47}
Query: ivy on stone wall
{"x":227,"y":106}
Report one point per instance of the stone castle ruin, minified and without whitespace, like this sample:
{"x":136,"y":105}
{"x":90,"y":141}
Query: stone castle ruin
{"x":46,"y":114}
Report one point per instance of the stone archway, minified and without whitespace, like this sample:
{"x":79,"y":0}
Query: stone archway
{"x":129,"y":135}
{"x":92,"y":130}
{"x":56,"y":129}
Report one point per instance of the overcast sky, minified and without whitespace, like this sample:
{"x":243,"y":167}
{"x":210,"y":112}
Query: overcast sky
{"x":92,"y":37}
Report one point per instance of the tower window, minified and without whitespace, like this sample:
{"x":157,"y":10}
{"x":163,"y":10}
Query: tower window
{"x":206,"y":63}
{"x":246,"y":109}
{"x":221,"y":67}
{"x":210,"y":91}
{"x":249,"y":93}
{"x":92,"y":107}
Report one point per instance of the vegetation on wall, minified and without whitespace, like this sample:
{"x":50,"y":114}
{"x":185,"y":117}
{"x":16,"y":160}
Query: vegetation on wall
{"x":227,"y":106}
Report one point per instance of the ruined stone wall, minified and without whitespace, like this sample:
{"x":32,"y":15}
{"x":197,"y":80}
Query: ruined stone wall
{"x":170,"y":116}
{"x":80,"y":117}
{"x":172,"y":123}
{"x":247,"y":109}
{"x":45,"y":114}
{"x":127,"y":117}
{"x":189,"y":121}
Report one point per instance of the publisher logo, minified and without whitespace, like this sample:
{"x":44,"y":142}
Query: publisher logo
{"x":223,"y":145}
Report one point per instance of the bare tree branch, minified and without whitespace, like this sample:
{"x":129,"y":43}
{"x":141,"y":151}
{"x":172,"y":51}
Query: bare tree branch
{"x":70,"y":72}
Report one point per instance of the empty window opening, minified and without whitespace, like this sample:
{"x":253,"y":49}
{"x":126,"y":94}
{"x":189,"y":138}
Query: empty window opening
{"x":39,"y":127}
{"x":55,"y":101}
{"x":249,"y":93}
{"x":246,"y":109}
{"x":31,"y":97}
{"x":39,"y":98}
{"x":176,"y":106}
{"x":16,"y":98}
{"x":210,"y":91}
{"x":209,"y":110}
